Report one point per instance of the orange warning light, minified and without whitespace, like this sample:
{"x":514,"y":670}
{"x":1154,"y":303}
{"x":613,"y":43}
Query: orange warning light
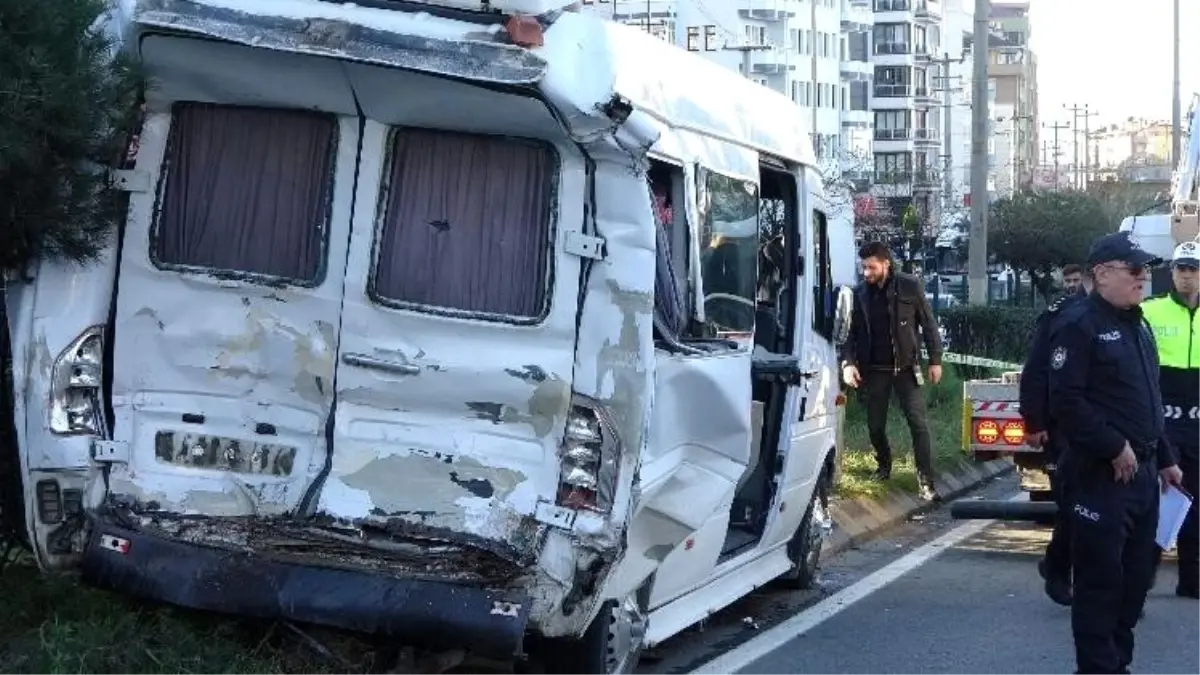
{"x":987,"y":431}
{"x":1014,"y":433}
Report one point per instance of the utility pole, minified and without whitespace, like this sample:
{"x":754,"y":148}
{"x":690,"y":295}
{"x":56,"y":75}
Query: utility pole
{"x":977,"y":276}
{"x":1075,"y":110}
{"x":946,"y":88}
{"x":1175,"y":103}
{"x":1087,"y":146}
{"x":816,"y":85}
{"x":1056,"y":126}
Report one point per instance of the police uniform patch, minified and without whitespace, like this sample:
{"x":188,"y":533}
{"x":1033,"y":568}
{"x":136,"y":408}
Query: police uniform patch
{"x":1058,"y":358}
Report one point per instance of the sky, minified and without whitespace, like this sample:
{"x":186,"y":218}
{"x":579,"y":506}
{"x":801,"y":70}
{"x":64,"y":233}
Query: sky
{"x":1113,"y":55}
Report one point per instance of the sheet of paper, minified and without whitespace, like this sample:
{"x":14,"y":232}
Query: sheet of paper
{"x":1173,"y":506}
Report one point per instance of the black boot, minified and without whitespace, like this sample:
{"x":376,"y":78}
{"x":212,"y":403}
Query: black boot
{"x":884,"y":472}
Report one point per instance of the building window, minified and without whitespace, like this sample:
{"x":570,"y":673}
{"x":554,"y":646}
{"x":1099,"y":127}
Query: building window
{"x":859,"y":95}
{"x":710,"y":38}
{"x":893,"y":81}
{"x":892,"y":38}
{"x":693,"y":38}
{"x":756,"y":35}
{"x":892,"y":167}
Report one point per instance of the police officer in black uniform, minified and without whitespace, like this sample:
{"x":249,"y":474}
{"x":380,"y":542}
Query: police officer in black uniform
{"x":1104,"y":395}
{"x":1055,"y":566}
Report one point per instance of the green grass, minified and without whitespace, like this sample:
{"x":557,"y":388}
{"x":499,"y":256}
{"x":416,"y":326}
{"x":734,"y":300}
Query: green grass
{"x":54,"y":624}
{"x":944,"y":402}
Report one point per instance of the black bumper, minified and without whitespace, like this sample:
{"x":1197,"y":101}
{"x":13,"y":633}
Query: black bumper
{"x":427,"y":613}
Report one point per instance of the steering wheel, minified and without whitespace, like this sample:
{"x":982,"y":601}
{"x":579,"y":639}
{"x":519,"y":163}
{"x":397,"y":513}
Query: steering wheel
{"x":744,"y":303}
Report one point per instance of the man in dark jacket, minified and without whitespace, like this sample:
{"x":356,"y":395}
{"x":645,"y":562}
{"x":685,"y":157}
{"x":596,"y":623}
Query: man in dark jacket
{"x":882,"y":354}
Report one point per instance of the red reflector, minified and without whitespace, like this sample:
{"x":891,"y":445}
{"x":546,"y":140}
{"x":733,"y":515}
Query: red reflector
{"x":1014,"y":433}
{"x":524,"y":31}
{"x":987,"y":431}
{"x":114,"y":544}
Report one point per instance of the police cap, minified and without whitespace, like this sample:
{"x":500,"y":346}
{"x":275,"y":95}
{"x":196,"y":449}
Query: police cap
{"x":1120,"y":247}
{"x":1186,"y":254}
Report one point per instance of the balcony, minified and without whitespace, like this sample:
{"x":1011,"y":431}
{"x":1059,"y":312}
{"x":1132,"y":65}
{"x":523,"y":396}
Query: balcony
{"x":926,"y":179}
{"x":771,"y":67}
{"x":899,"y":91}
{"x":857,"y":16}
{"x":768,"y":10}
{"x":927,"y":136}
{"x":902,"y":48}
{"x":926,"y":11}
{"x":924,"y":94}
{"x":893,"y":134}
{"x":919,"y":179}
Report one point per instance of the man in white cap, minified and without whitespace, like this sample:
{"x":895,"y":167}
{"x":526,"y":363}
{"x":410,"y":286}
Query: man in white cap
{"x":1176,"y":325}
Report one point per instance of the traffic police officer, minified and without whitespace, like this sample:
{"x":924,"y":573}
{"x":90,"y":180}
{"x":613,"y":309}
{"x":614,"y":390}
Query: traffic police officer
{"x":1176,"y":325}
{"x":1104,"y":395}
{"x":1055,"y":566}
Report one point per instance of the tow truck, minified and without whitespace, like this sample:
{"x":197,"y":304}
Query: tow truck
{"x":993,"y":428}
{"x":992,"y":423}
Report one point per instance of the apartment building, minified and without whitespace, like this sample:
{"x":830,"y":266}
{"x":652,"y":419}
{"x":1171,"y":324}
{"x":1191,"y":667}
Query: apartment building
{"x":822,"y":65}
{"x":1135,"y":149}
{"x":1012,"y":66}
{"x":906,"y":104}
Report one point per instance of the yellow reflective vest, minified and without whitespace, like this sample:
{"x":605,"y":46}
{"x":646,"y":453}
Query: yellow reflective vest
{"x":1176,"y":330}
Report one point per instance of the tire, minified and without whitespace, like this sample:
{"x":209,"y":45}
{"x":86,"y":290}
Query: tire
{"x":612,"y":643}
{"x":805,"y":547}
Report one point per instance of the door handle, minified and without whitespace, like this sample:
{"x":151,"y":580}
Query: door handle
{"x":365,"y":361}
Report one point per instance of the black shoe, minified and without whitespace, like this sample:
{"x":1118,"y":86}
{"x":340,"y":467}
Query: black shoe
{"x":882,"y":474}
{"x":1057,"y":588}
{"x":1187,"y":591}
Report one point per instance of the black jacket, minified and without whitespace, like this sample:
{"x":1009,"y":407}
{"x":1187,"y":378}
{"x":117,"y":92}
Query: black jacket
{"x":1035,"y":375}
{"x":1104,"y":383}
{"x":909,"y":311}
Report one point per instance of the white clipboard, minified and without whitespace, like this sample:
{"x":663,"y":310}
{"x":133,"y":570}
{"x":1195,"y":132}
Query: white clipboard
{"x":1173,"y":507}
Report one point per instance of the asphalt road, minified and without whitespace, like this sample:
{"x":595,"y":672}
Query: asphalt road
{"x":935,"y":596}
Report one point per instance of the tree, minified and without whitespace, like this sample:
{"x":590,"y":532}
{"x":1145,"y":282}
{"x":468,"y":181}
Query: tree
{"x":1124,"y":198}
{"x":872,"y":221}
{"x":1039,"y":232}
{"x":67,"y":106}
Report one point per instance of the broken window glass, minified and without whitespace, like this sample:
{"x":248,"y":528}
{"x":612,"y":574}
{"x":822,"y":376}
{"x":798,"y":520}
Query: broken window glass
{"x":466,"y":224}
{"x":246,"y":190}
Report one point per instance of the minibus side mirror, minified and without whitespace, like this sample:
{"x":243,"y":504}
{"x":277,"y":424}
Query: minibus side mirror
{"x":842,"y":315}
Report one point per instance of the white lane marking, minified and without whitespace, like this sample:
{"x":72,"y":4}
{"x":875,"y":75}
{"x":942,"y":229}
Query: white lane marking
{"x":743,"y":656}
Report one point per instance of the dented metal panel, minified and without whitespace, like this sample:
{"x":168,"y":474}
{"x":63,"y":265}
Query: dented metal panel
{"x":223,"y":356}
{"x":463,"y":438}
{"x":390,"y":38}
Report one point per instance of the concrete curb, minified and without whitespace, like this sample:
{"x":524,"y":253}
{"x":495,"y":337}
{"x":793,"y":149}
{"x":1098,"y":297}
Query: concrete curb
{"x":862,"y":519}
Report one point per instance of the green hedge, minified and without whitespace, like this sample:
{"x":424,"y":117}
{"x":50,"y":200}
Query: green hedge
{"x":994,"y":331}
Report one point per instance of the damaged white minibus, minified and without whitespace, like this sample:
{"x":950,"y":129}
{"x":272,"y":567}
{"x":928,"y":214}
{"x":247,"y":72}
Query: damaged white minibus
{"x":487,"y":322}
